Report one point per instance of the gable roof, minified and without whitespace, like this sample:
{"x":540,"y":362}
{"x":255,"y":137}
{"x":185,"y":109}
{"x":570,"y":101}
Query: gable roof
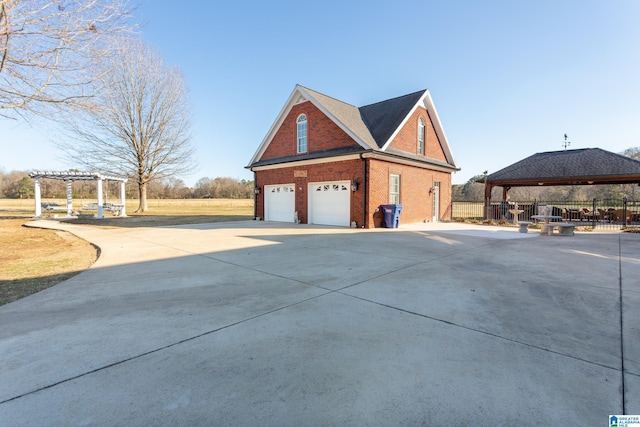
{"x":570,"y":167}
{"x":385,"y":117}
{"x":372,"y":127}
{"x":346,"y":116}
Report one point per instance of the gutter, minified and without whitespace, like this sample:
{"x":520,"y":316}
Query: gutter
{"x":364,"y":189}
{"x":409,"y":162}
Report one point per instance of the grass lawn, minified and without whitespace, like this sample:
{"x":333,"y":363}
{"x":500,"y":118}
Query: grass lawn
{"x":34,"y":259}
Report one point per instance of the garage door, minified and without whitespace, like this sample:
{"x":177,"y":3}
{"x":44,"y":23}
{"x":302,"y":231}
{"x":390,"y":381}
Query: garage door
{"x":330,"y":203}
{"x":279,"y":202}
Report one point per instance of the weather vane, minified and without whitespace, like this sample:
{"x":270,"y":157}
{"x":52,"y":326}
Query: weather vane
{"x":566,"y":143}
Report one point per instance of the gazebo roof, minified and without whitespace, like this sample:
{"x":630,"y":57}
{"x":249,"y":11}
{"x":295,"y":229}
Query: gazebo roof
{"x":76,"y":176}
{"x":570,"y":167}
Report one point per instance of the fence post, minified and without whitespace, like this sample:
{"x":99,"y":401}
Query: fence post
{"x":624,"y":212}
{"x":593,"y":213}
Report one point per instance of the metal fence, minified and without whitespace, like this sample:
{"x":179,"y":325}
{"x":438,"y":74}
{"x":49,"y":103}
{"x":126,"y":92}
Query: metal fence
{"x":594,"y":213}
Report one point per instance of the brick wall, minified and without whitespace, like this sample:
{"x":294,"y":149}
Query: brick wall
{"x":407,"y":138}
{"x":322,"y":133}
{"x":301,"y":176}
{"x":416,"y":201}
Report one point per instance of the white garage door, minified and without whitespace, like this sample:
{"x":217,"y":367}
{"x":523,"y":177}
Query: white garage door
{"x":330,"y":203}
{"x":279,"y":202}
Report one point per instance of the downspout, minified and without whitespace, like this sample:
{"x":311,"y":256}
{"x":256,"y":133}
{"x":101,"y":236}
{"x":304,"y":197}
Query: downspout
{"x":255,"y":196}
{"x":364,"y":189}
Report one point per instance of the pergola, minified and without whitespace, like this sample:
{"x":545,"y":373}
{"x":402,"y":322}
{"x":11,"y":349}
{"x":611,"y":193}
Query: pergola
{"x":585,"y":166}
{"x":69,"y":177}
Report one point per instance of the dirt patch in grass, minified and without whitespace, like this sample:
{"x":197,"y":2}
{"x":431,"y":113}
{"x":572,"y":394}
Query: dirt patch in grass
{"x":33,"y":259}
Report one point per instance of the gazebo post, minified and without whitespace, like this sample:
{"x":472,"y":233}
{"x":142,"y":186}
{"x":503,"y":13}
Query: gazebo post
{"x":36,"y":196}
{"x":99,"y":216}
{"x":487,"y":199}
{"x":123,"y":198}
{"x":505,"y":190}
{"x":69,"y":198}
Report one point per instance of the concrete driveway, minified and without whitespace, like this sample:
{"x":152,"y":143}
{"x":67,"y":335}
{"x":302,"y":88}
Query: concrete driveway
{"x":253,"y":323}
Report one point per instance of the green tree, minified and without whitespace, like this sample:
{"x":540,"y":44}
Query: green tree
{"x":25,"y":188}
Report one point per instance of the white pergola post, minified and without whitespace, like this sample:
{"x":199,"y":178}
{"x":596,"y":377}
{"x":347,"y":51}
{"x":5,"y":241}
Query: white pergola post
{"x":69,"y":198}
{"x":100,"y":215}
{"x":36,"y":194}
{"x":123,"y":198}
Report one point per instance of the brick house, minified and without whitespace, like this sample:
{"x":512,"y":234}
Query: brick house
{"x":328,"y":162}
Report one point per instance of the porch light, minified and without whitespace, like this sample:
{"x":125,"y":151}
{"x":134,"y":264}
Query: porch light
{"x":354,"y":186}
{"x":256,"y":190}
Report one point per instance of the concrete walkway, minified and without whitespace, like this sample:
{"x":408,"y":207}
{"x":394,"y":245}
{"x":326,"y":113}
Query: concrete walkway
{"x":255,"y":323}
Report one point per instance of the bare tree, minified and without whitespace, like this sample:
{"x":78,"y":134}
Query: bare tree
{"x":138,"y":124}
{"x":46,"y":47}
{"x":633,"y":152}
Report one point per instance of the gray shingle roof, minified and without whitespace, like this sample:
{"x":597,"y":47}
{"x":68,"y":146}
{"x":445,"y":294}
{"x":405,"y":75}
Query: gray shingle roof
{"x":347,"y":114}
{"x":570,"y":166}
{"x":383,"y":118}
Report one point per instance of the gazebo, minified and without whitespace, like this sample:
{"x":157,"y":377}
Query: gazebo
{"x":69,"y":177}
{"x":585,"y":166}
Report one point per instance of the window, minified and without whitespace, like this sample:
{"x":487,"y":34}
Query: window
{"x":394,"y":189}
{"x":421,"y":136}
{"x":302,"y":134}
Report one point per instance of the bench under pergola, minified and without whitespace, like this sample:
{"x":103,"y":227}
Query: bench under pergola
{"x":69,"y":177}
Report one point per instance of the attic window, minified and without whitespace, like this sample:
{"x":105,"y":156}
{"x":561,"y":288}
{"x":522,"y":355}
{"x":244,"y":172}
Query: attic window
{"x":302,"y":134}
{"x":421,"y":136}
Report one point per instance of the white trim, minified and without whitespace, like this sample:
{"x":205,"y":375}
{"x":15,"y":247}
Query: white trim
{"x":276,"y":125}
{"x":306,"y":162}
{"x":422,"y":125}
{"x":404,"y":121}
{"x":369,"y":155}
{"x":76,"y":176}
{"x":341,"y":125}
{"x":436,"y":202}
{"x":306,"y":134}
{"x":300,"y":93}
{"x":442,"y":138}
{"x":395,"y":175}
{"x":408,"y":162}
{"x":427,"y":102}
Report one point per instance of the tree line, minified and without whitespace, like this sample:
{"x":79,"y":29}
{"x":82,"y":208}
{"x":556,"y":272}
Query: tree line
{"x":18,"y":185}
{"x":473,"y":191}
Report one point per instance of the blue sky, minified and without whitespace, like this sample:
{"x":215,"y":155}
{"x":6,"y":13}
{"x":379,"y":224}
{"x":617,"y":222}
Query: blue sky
{"x":508,"y":78}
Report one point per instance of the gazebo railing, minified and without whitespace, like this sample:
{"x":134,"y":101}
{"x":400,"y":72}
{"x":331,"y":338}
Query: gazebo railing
{"x":595,"y":213}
